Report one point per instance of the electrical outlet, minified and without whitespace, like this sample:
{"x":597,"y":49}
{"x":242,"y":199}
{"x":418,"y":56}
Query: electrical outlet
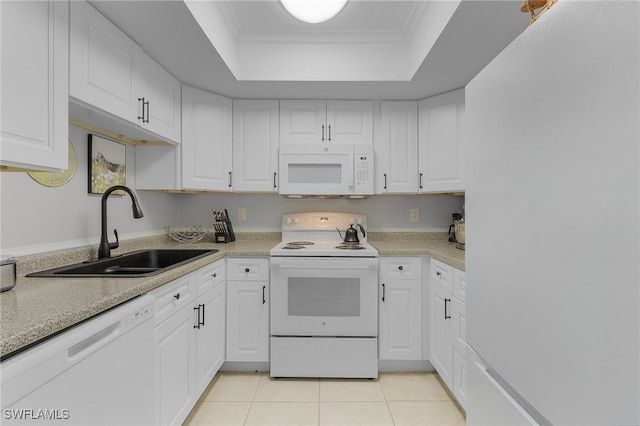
{"x":415,"y":215}
{"x":242,"y":214}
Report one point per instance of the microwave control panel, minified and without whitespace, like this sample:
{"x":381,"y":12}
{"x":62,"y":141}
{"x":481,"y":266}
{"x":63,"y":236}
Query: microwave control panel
{"x":363,"y":166}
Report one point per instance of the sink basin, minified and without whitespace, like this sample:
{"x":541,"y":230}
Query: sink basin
{"x":141,"y":263}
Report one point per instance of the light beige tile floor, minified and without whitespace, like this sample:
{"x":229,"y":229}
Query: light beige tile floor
{"x":402,"y":399}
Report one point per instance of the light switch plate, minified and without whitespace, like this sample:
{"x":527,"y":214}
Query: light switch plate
{"x":242,"y":214}
{"x":415,"y":215}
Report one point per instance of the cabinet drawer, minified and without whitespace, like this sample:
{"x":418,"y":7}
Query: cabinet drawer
{"x":247,"y":269}
{"x":210,"y":276}
{"x":409,"y":268}
{"x":442,"y":275}
{"x":173,"y":297}
{"x":459,"y":285}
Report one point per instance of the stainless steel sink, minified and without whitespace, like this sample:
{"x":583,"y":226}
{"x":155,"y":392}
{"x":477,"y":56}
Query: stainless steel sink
{"x":141,"y":263}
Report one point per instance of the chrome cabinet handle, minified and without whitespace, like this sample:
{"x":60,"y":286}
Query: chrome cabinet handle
{"x":229,"y":179}
{"x":385,"y":181}
{"x":446,"y":316}
{"x":383,"y":292}
{"x":420,"y":180}
{"x":329,"y":132}
{"x":274,"y":179}
{"x":323,"y":133}
{"x":264,"y":288}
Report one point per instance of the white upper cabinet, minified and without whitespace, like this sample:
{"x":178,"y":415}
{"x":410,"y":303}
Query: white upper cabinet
{"x":396,"y":148}
{"x":337,"y":122}
{"x":206,"y":141}
{"x":111,"y":74}
{"x":35,"y":87}
{"x":255,"y":145}
{"x":103,"y":58}
{"x":350,"y":122}
{"x":441,"y":143}
{"x":161,"y":98}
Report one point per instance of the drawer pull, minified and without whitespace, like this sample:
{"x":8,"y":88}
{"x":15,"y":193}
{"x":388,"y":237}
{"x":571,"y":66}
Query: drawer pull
{"x":400,"y":268}
{"x":177,"y":296}
{"x":383,"y":291}
{"x":264,"y":288}
{"x":446,"y":316}
{"x":438,"y":273}
{"x":214,"y":275}
{"x":246,"y":270}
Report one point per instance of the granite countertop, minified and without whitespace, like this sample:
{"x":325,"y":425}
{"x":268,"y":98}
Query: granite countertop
{"x":37,"y":308}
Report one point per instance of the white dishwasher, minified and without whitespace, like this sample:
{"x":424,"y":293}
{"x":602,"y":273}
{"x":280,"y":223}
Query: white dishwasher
{"x":97,"y":373}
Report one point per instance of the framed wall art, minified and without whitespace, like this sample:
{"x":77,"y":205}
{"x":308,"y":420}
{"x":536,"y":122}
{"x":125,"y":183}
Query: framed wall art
{"x":107,"y":164}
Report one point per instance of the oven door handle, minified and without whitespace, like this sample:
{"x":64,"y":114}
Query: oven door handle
{"x":361,"y":263}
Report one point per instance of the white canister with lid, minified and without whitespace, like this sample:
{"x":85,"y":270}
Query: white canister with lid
{"x":7,"y":272}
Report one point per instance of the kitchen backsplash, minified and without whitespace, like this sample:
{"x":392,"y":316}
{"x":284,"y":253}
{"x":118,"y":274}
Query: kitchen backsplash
{"x":264,"y":212}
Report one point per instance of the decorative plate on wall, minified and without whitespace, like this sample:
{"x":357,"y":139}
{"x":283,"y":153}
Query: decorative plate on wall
{"x":55,"y":179}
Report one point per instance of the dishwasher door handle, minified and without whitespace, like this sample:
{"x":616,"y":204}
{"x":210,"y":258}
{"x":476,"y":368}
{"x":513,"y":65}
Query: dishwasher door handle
{"x":97,"y":340}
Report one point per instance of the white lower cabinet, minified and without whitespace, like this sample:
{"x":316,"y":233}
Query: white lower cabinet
{"x":189,"y":340}
{"x":400,"y":305}
{"x":447,"y":324}
{"x":248,"y":309}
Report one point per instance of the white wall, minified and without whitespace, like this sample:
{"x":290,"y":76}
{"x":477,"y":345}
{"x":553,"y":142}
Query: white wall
{"x":35,"y":218}
{"x":264,"y":212}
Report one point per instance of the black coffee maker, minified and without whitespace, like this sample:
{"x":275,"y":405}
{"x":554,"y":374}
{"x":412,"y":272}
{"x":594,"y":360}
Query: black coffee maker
{"x":452,"y":227}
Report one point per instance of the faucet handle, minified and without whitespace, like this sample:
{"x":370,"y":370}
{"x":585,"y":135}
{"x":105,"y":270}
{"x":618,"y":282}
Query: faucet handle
{"x":117,"y":243}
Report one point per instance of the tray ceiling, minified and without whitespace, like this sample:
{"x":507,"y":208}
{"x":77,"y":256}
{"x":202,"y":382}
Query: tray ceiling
{"x":373,"y":49}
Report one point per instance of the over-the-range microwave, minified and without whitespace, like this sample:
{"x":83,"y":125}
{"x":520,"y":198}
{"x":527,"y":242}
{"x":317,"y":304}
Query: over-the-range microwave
{"x":326,"y":170}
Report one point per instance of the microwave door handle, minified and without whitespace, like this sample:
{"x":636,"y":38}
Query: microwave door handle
{"x":350,"y":171}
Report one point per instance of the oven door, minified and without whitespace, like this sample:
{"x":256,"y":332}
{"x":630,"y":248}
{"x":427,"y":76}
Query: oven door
{"x":324,"y":296}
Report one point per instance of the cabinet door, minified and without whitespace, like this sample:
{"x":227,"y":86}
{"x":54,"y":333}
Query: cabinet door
{"x":210,"y":336}
{"x":161,"y":93}
{"x":459,"y":325}
{"x":303,"y":122}
{"x":247,"y":321}
{"x":400,"y":319}
{"x":103,"y":58}
{"x":350,"y":122}
{"x":460,"y":378}
{"x":175,"y":367}
{"x":396,"y":149}
{"x":440,"y":333}
{"x":35,"y":86}
{"x":255,"y":145}
{"x":206,"y":140}
{"x":441,"y":138}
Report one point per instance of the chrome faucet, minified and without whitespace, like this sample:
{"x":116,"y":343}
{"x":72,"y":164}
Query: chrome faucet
{"x":104,"y":250}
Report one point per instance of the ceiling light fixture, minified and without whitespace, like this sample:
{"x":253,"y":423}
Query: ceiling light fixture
{"x":313,"y":11}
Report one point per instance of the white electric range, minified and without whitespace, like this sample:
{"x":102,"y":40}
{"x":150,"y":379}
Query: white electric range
{"x":324,"y":299}
{"x":318,"y":234}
